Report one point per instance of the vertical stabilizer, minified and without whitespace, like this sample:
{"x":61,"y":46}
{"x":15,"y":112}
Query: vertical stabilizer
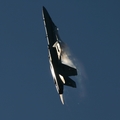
{"x":61,"y":98}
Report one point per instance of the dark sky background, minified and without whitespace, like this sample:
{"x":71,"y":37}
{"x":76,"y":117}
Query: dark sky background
{"x":91,"y":29}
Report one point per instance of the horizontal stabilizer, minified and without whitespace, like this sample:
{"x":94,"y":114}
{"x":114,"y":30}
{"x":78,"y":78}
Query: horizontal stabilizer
{"x":66,"y":70}
{"x":70,"y":82}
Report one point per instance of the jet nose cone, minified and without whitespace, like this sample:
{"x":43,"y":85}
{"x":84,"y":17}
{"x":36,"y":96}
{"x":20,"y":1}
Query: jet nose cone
{"x":44,"y":9}
{"x":44,"y":12}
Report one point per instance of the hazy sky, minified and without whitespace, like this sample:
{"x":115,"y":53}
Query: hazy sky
{"x":91,"y":29}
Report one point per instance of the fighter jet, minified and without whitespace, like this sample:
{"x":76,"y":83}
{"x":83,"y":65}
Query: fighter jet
{"x":59,"y":71}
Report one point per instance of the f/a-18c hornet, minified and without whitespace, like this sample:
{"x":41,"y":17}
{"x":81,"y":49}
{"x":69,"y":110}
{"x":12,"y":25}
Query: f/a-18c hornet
{"x":60,"y":71}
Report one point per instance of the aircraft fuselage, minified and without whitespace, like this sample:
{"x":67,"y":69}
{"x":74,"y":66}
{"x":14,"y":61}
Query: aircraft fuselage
{"x":60,"y":72}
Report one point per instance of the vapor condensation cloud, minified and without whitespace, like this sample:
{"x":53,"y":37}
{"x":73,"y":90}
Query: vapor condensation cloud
{"x":80,"y":92}
{"x":65,"y":55}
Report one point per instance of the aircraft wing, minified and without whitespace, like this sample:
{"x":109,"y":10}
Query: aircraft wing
{"x":66,"y":70}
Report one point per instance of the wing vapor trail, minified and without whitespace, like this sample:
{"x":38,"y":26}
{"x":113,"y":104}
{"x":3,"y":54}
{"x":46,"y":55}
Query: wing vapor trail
{"x":68,"y":58}
{"x":65,"y":56}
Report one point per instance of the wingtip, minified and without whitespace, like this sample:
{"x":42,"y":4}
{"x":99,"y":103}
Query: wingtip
{"x":61,"y":98}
